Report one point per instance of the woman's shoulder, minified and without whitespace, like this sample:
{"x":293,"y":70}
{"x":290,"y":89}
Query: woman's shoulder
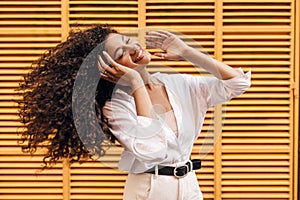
{"x":169,"y":76}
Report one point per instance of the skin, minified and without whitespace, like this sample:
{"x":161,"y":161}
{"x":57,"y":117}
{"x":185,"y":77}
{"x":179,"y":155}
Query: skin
{"x":128,"y":68}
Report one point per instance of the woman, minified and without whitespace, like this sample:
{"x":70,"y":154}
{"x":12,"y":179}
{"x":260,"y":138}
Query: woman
{"x":155,"y":117}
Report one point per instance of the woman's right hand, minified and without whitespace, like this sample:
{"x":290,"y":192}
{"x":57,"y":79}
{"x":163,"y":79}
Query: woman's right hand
{"x":173,"y":46}
{"x":118,"y":74}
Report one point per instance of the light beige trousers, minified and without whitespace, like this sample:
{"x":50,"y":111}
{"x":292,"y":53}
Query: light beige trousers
{"x":147,"y":186}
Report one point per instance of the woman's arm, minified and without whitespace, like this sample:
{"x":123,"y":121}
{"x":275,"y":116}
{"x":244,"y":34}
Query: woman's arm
{"x":213,"y":66}
{"x":125,"y":76}
{"x":176,"y":49}
{"x":141,"y":97}
{"x":138,"y":130}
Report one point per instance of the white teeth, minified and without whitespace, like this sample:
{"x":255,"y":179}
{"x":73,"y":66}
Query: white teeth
{"x":139,"y":55}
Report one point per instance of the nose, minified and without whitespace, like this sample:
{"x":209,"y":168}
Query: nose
{"x":132,"y":48}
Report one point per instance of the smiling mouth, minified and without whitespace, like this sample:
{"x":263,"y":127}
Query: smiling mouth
{"x":140,"y":56}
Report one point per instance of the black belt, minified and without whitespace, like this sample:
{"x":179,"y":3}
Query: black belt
{"x":178,"y":172}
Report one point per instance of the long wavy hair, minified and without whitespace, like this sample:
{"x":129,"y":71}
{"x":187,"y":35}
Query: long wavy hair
{"x":47,"y":106}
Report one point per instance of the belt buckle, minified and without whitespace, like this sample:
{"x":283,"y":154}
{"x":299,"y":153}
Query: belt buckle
{"x":178,"y":176}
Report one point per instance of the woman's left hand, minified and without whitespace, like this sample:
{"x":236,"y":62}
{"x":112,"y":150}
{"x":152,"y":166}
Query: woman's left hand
{"x":173,"y":46}
{"x":115,"y":72}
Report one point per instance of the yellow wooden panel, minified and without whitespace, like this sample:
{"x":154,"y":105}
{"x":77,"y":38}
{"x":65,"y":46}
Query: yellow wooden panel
{"x":32,"y":3}
{"x":256,"y":139}
{"x":128,"y":2}
{"x":28,"y":29}
{"x":96,"y":180}
{"x":256,"y":142}
{"x":257,"y":1}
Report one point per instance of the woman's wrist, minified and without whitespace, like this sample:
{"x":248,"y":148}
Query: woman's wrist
{"x":186,"y":51}
{"x":136,"y":82}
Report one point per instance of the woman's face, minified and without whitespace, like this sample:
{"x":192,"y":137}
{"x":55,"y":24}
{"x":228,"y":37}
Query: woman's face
{"x":126,"y":51}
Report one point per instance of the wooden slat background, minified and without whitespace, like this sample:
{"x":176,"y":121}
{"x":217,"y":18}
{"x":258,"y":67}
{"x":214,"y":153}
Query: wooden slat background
{"x":27,"y":29}
{"x":256,"y":154}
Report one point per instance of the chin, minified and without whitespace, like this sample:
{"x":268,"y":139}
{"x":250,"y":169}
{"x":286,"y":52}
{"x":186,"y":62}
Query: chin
{"x":145,"y":61}
{"x":147,"y":58}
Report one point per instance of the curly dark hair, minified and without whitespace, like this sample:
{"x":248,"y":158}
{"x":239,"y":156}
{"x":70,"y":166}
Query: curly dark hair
{"x":51,"y":107}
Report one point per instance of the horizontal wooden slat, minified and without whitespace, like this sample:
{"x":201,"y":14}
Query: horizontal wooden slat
{"x":256,"y":49}
{"x":256,"y":7}
{"x":20,"y":45}
{"x":257,"y":1}
{"x":26,"y":184}
{"x":104,"y":177}
{"x":99,"y":9}
{"x":256,"y":13}
{"x":102,"y":184}
{"x":267,"y":20}
{"x":179,"y":1}
{"x":30,"y":177}
{"x":28,"y":2}
{"x":257,"y":149}
{"x":39,"y":22}
{"x":97,"y":197}
{"x":28,"y":171}
{"x":26,"y":191}
{"x":30,"y":9}
{"x":121,"y":16}
{"x":125,"y":22}
{"x":182,"y":20}
{"x":257,"y":43}
{"x":180,"y":14}
{"x":257,"y":29}
{"x":29,"y":30}
{"x":247,"y":195}
{"x":14,"y":196}
{"x":256,"y":170}
{"x":89,"y":2}
{"x":256,"y":121}
{"x":247,"y":36}
{"x":256,"y":189}
{"x":254,"y":182}
{"x":255,"y":134}
{"x":266,"y":127}
{"x":47,"y":40}
{"x":182,"y":7}
{"x":250,"y":176}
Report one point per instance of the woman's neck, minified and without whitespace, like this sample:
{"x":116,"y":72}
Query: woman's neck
{"x":149,"y":80}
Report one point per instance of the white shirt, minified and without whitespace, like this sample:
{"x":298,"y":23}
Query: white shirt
{"x":149,"y":142}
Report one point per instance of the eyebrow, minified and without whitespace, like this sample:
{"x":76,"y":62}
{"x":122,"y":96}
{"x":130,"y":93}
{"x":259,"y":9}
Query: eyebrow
{"x":117,"y":49}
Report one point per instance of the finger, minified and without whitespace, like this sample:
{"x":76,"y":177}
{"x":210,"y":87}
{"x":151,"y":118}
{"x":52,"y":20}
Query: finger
{"x":104,"y":66}
{"x":157,"y":34}
{"x":161,"y":55}
{"x":153,"y":38}
{"x":153,"y":44}
{"x":107,"y":76}
{"x":165,"y":33}
{"x":103,"y":72}
{"x":101,"y":64}
{"x":100,"y":68}
{"x":112,"y":80}
{"x":115,"y":67}
{"x":109,"y":59}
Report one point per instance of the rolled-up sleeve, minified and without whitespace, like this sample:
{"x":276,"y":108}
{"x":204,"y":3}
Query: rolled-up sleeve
{"x":144,"y":137}
{"x":214,"y":91}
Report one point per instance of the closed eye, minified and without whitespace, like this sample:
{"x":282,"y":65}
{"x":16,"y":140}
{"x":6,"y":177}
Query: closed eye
{"x":122,"y":54}
{"x":123,"y":50}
